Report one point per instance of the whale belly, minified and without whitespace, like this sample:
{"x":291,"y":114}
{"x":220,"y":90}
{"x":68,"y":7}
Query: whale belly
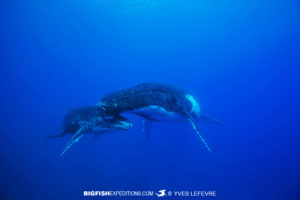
{"x":158,"y":113}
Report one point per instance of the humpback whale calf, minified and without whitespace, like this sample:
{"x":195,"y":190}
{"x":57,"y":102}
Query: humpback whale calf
{"x":89,"y":119}
{"x":155,"y":102}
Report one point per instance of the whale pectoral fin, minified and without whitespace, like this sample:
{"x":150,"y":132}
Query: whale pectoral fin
{"x":147,"y":128}
{"x":74,"y":139}
{"x":210,"y":119}
{"x":192,"y":121}
{"x":61,"y":134}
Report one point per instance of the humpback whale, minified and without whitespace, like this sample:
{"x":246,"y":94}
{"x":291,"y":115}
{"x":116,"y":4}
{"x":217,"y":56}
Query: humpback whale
{"x":155,"y":102}
{"x":89,"y":119}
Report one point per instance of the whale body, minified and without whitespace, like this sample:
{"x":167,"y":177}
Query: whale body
{"x":154,"y":102}
{"x":87,"y":120}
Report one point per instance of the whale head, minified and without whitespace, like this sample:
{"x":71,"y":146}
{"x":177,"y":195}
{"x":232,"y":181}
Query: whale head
{"x":194,"y":106}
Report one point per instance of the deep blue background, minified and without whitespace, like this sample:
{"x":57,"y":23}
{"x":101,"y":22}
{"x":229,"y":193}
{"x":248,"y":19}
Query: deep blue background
{"x":241,"y":58}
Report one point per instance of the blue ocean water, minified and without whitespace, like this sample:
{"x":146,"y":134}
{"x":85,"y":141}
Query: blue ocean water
{"x":241,"y":59}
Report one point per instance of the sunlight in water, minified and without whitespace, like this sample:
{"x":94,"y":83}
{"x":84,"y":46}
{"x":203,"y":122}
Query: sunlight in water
{"x":125,"y":6}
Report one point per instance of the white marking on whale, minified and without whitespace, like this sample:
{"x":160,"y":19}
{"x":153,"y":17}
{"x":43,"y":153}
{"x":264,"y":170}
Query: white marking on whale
{"x":195,"y":105}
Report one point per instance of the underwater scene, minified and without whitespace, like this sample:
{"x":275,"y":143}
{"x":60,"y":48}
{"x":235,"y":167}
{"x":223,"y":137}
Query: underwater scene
{"x":150,"y":99}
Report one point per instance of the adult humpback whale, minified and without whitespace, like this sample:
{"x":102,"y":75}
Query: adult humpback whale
{"x":157,"y":102}
{"x":89,"y":119}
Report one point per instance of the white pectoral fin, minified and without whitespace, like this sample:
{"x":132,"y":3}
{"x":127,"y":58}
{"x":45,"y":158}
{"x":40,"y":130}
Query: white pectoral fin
{"x":198,"y":132}
{"x":74,"y":139}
